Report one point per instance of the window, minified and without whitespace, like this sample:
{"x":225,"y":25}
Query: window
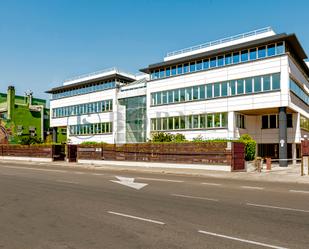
{"x":280,"y":48}
{"x":213,"y":62}
{"x":164,"y":97}
{"x":224,"y":89}
{"x":182,"y":122}
{"x":265,"y":122}
{"x":262,"y":52}
{"x":174,"y":70}
{"x":233,"y":87}
{"x":209,"y":91}
{"x":257,"y":84}
{"x":176,"y":123}
{"x":276,"y":81}
{"x":240,"y":121}
{"x":244,"y":55}
{"x":223,"y":119}
{"x":228,"y":59}
{"x":170,"y":97}
{"x":179,"y":69}
{"x":266,"y":83}
{"x":271,"y":50}
{"x":188,"y":93}
{"x":168,"y":71}
{"x":240,"y":86}
{"x":253,"y":54}
{"x":159,"y":101}
{"x":202,"y":121}
{"x":195,"y":93}
{"x":236,"y":57}
{"x":206,"y":63}
{"x":182,"y":94}
{"x":289,"y":119}
{"x":186,"y":68}
{"x":209,"y":121}
{"x":272,"y":121}
{"x":248,"y":83}
{"x":217,"y":122}
{"x":198,"y":65}
{"x":171,"y":123}
{"x":195,"y":121}
{"x":192,"y":66}
{"x":176,"y":95}
{"x":202,"y":92}
{"x":217,"y":90}
{"x":161,"y":73}
{"x":220,"y":61}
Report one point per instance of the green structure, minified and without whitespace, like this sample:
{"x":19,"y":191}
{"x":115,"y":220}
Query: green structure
{"x":22,"y":116}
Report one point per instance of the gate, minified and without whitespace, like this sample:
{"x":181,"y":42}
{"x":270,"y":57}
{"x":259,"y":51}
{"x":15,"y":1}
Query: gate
{"x":238,"y":156}
{"x":58,"y":152}
{"x":72,"y":153}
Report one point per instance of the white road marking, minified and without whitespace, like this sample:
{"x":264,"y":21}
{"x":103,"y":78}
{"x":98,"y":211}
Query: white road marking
{"x":97,"y":174}
{"x":241,"y":240}
{"x":50,"y":170}
{"x":137,"y":218}
{"x":195,"y":197}
{"x":129,"y":182}
{"x":63,"y":181}
{"x":276,"y":207}
{"x":211,"y":183}
{"x":252,"y":187}
{"x":299,"y":191}
{"x":158,"y":179}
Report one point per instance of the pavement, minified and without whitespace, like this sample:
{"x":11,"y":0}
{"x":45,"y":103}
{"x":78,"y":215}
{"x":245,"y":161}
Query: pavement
{"x":55,"y":206}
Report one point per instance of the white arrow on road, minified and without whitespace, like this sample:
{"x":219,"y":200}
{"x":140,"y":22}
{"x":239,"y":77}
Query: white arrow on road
{"x":129,"y":182}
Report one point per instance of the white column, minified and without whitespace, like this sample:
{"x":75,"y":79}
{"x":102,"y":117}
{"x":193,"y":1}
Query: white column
{"x":294,"y":153}
{"x":231,"y":125}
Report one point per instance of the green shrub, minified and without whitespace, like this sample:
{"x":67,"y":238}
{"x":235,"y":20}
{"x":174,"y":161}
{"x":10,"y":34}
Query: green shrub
{"x":250,"y":146}
{"x":27,"y":140}
{"x":163,"y":137}
{"x":92,"y":143}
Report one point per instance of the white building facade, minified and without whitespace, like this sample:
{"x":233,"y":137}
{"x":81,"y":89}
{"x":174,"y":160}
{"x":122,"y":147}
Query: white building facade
{"x":255,"y":83}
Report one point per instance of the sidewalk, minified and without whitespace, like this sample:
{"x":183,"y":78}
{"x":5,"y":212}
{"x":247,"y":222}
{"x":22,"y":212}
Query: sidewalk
{"x":290,"y":174}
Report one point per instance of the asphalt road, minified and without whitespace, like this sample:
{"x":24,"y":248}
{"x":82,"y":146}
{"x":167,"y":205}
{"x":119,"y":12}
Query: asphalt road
{"x":58,"y":208}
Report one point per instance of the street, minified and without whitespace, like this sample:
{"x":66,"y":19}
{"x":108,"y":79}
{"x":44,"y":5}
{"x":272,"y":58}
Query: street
{"x":55,"y":207}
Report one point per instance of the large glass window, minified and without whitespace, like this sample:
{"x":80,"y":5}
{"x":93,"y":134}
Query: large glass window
{"x":186,"y":68}
{"x":276,"y":81}
{"x":176,"y":95}
{"x":265,"y":122}
{"x":188,"y":93}
{"x":280,"y":48}
{"x":272,"y":121}
{"x":240,"y":86}
{"x":262,"y":52}
{"x":253,"y":54}
{"x":170,"y":96}
{"x":206,"y":63}
{"x":202,"y":92}
{"x":233,"y":87}
{"x":236,"y":57}
{"x":244,"y":55}
{"x":209,"y":91}
{"x":199,"y":65}
{"x":248,"y":85}
{"x":271,"y":50}
{"x":224,"y":89}
{"x":217,"y":90}
{"x":217,"y":122}
{"x":195,"y":92}
{"x":162,"y":73}
{"x":266,"y":83}
{"x":257,"y":84}
{"x":228,"y":59}
{"x":209,"y":120}
{"x":192,"y":67}
{"x":164,"y":97}
{"x":220,"y":61}
{"x":168,"y":71}
{"x":182,"y":94}
{"x":179,"y":69}
{"x":174,"y":70}
{"x":213,"y":62}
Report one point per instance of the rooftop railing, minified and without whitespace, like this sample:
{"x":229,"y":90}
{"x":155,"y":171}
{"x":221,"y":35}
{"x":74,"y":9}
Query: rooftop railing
{"x":220,"y":41}
{"x":99,"y":72}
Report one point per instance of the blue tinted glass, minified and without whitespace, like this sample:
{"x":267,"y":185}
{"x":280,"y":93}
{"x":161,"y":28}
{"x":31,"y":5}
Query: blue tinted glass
{"x":224,"y":89}
{"x":228,"y":59}
{"x":213,"y":62}
{"x":262,"y":52}
{"x":179,"y":69}
{"x":220,"y":61}
{"x":276,"y":81}
{"x":233,"y":87}
{"x":266,"y":83}
{"x":206,"y":63}
{"x":202,"y":92}
{"x":209,"y":91}
{"x":253,"y":54}
{"x":156,"y":74}
{"x":244,"y":55}
{"x":173,"y":70}
{"x":161,"y":73}
{"x":257,"y":84}
{"x":280,"y":48}
{"x":152,"y":75}
{"x":240,"y":86}
{"x":235,"y":57}
{"x":271,"y":50}
{"x":168,"y":71}
{"x":186,"y":68}
{"x":217,"y":90}
{"x":192,"y":66}
{"x":199,"y":65}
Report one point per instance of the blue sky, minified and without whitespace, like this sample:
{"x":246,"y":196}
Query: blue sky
{"x":44,"y":42}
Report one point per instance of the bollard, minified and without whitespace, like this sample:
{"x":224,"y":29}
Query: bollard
{"x":268,"y":163}
{"x":258,"y":164}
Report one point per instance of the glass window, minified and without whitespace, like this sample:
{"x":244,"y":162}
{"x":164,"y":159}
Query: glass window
{"x":186,"y":68}
{"x":159,"y":124}
{"x":195,"y":121}
{"x":236,"y":57}
{"x":213,"y":62}
{"x":244,"y":55}
{"x":202,"y":121}
{"x":228,"y":59}
{"x":199,"y":65}
{"x":176,"y":95}
{"x":265,"y":122}
{"x":156,"y":75}
{"x":233,"y":87}
{"x":224,"y":89}
{"x":164,"y":124}
{"x":253,"y":54}
{"x":170,"y":96}
{"x":209,"y":121}
{"x":266,"y":83}
{"x":168,"y":71}
{"x":240,"y":86}
{"x":223,"y":119}
{"x":248,"y":86}
{"x":174,"y":70}
{"x":202,"y":92}
{"x":271,"y":50}
{"x":188,"y":122}
{"x":280,"y":48}
{"x":276,"y":81}
{"x":182,"y":122}
{"x":171,"y":123}
{"x":262,"y":52}
{"x":209,"y":91}
{"x":217,"y":120}
{"x":289,"y":120}
{"x":164,"y":97}
{"x":161,"y":73}
{"x":220,"y":61}
{"x":195,"y":92}
{"x":179,"y":69}
{"x":159,"y":101}
{"x":176,"y":123}
{"x":257,"y":84}
{"x":182,"y":94}
{"x":206,"y":63}
{"x":272,"y":121}
{"x":192,"y":66}
{"x":217,"y":90}
{"x":188,"y":93}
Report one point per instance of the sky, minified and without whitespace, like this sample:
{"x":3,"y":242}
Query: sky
{"x":42,"y":42}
